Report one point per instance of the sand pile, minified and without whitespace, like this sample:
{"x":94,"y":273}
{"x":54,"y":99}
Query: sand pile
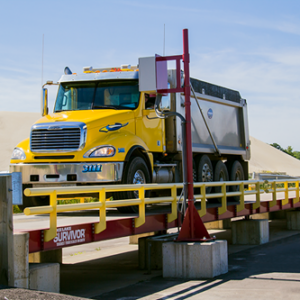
{"x":267,"y":158}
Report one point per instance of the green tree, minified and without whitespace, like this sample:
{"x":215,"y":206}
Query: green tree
{"x":288,"y":150}
{"x":277,"y":146}
{"x":297,"y":154}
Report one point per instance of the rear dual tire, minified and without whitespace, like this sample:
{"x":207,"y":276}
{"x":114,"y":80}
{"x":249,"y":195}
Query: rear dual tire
{"x":236,"y":174}
{"x":220,"y":174}
{"x":205,"y":171}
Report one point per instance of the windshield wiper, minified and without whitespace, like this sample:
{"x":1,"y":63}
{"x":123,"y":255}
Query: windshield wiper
{"x":105,"y":107}
{"x":60,"y":110}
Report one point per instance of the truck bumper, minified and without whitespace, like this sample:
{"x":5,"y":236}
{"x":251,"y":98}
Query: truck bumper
{"x":69,"y":173}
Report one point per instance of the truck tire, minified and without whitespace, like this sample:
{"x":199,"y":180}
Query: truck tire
{"x":33,"y":201}
{"x":236,"y":174}
{"x":205,"y":171}
{"x":135,"y":172}
{"x":220,"y":174}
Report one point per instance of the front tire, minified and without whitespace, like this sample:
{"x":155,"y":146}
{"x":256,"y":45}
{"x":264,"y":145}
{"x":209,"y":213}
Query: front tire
{"x":135,"y":172}
{"x":34,"y":201}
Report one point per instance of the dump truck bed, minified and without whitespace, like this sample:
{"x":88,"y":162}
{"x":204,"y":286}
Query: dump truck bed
{"x":225,"y":113}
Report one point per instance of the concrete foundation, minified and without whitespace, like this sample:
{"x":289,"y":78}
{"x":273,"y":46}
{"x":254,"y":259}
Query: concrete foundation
{"x":195,"y":260}
{"x":262,"y":216}
{"x":21,"y":266}
{"x":275,"y":215}
{"x":6,"y":231}
{"x":293,"y":220}
{"x":41,"y":277}
{"x":227,"y":224}
{"x":134,"y":239}
{"x":220,"y":224}
{"x":250,"y":232}
{"x":214,"y":225}
{"x":150,"y":251}
{"x":155,"y":248}
{"x":44,"y":277}
{"x":53,"y":256}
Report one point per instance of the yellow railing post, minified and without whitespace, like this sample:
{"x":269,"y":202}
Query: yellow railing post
{"x":99,"y":227}
{"x":173,"y":215}
{"x":295,"y":200}
{"x":257,"y":202}
{"x":241,"y":206}
{"x":51,"y":233}
{"x":274,"y":194}
{"x":223,"y":208}
{"x":286,"y":193}
{"x":141,"y":218}
{"x":202,"y":211}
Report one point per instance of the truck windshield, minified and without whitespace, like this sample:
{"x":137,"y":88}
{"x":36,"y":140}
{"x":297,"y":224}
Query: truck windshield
{"x":97,"y":95}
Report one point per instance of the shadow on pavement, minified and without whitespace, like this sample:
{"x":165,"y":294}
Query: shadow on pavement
{"x":273,"y":269}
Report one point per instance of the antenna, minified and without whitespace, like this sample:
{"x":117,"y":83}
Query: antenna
{"x":164,"y":39}
{"x":42,"y":60}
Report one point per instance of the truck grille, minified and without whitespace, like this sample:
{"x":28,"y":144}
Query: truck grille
{"x":56,"y":138}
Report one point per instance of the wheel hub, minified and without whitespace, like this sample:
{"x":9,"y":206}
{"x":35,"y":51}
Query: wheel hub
{"x":139,"y":177}
{"x":206,"y":173}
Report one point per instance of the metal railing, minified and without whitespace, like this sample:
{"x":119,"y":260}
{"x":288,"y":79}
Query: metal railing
{"x":271,"y":176}
{"x":244,"y":188}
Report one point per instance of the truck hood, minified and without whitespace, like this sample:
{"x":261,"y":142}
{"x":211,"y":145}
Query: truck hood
{"x":91,"y":118}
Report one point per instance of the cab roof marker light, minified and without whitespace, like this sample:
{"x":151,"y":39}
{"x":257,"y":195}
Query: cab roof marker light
{"x":123,"y":68}
{"x":87,"y":69}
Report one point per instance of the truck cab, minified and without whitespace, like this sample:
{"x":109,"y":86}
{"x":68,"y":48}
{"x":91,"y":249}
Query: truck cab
{"x":103,"y":130}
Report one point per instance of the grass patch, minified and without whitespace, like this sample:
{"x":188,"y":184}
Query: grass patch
{"x":16,"y":209}
{"x":68,"y":201}
{"x":81,"y":200}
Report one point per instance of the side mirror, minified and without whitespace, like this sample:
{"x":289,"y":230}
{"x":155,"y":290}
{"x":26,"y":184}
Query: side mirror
{"x":44,"y":102}
{"x":165,"y":103}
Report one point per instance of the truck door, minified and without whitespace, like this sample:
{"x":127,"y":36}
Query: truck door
{"x":149,"y":127}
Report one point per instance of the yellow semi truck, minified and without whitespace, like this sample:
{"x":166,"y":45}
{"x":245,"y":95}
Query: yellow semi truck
{"x":104,"y":130}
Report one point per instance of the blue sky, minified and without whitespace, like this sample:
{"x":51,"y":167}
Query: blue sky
{"x":250,"y":46}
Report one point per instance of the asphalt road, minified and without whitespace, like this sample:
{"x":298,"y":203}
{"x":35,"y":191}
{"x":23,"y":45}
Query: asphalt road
{"x":270,"y":271}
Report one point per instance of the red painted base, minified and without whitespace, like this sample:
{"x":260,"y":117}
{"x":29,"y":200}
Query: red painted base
{"x":193,"y":229}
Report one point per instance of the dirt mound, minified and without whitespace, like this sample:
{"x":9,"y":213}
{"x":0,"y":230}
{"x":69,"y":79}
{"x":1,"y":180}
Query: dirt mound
{"x":267,"y":158}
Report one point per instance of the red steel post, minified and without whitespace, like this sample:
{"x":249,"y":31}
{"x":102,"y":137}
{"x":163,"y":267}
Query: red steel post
{"x":189,"y":153}
{"x":192,"y":228}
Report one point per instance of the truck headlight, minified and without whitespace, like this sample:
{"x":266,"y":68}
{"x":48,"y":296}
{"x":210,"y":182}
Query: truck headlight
{"x":19,"y":154}
{"x":101,"y":151}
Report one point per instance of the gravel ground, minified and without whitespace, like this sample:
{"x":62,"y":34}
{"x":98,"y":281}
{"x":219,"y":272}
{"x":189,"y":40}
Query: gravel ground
{"x":22,"y":294}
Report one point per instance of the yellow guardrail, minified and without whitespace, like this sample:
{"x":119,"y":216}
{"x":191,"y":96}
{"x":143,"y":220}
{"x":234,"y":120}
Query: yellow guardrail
{"x":52,"y":209}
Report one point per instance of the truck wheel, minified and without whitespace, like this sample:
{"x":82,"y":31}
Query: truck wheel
{"x":221,"y":174}
{"x":34,"y":201}
{"x":236,"y":174}
{"x":135,"y":172}
{"x":205,"y":171}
